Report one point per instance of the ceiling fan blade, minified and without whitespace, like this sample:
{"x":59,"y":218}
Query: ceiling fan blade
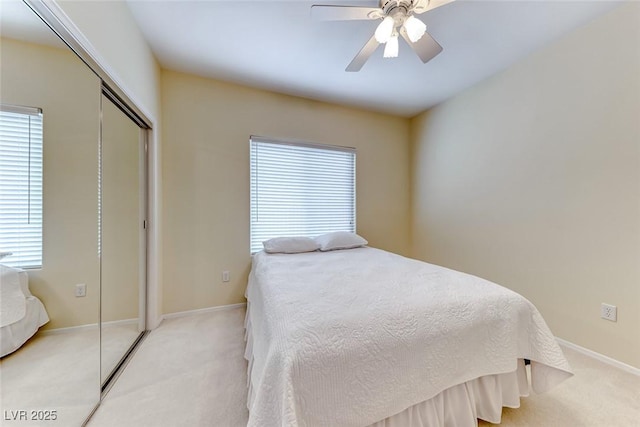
{"x":426,"y":48}
{"x":423,"y":6}
{"x":344,"y":13}
{"x":364,"y":54}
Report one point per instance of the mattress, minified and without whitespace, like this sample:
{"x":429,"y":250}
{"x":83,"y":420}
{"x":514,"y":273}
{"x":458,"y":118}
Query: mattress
{"x":355,"y":337}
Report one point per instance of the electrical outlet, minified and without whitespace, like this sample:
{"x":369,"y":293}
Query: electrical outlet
{"x":81,"y":290}
{"x":226,"y":276}
{"x":609,"y":312}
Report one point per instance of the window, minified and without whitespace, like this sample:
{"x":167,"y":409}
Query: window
{"x":21,"y":186}
{"x":300,"y":190}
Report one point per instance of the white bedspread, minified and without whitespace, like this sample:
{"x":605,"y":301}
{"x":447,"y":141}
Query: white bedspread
{"x":13,"y":302}
{"x":348,"y":338}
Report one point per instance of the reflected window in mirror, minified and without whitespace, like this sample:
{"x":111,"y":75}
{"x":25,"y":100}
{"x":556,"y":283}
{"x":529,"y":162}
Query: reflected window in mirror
{"x":21,"y":186}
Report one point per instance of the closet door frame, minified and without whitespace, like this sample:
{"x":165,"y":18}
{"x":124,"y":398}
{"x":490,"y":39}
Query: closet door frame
{"x":143,"y":213}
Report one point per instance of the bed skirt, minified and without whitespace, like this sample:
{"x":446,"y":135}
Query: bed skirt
{"x":14,"y":335}
{"x":462,"y":405}
{"x":458,"y":406}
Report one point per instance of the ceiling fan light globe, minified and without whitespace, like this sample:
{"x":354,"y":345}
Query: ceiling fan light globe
{"x":385,"y":30}
{"x":391,"y":48}
{"x":415,"y":28}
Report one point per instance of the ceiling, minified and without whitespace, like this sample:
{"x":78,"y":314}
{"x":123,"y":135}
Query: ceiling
{"x":19,"y":22}
{"x":274,"y":45}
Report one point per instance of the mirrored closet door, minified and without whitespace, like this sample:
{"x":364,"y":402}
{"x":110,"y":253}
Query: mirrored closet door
{"x":123,"y":252}
{"x":50,"y":375}
{"x":72,"y":225}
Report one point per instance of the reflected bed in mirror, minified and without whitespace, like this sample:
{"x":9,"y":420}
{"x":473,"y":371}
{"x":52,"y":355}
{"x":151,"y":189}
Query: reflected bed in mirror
{"x":76,"y":227}
{"x":21,"y":313}
{"x":58,"y":368}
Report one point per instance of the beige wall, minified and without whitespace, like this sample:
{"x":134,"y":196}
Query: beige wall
{"x":69,"y":94}
{"x":532,"y":179}
{"x":206,"y":129}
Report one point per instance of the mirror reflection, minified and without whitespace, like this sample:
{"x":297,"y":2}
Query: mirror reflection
{"x":122,"y":243}
{"x":52,"y":368}
{"x":72,"y":245}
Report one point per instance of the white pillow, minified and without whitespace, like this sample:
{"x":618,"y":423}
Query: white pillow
{"x":290,"y":245}
{"x":340,"y":240}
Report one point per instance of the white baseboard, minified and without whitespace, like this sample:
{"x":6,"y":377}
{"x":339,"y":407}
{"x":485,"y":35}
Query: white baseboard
{"x":135,"y":321}
{"x":203,"y":310}
{"x":601,"y":357}
{"x":68,"y":330}
{"x":79,"y":328}
{"x":120,"y":322}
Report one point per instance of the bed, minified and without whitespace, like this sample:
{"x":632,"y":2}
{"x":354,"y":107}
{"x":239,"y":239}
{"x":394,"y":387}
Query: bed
{"x":21,"y":313}
{"x":365,"y":337}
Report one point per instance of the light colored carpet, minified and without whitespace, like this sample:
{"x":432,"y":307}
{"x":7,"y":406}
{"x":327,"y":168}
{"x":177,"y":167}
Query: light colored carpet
{"x":188,"y":372}
{"x":57,"y":372}
{"x":598,"y":395}
{"x":60,"y":372}
{"x":191,"y":372}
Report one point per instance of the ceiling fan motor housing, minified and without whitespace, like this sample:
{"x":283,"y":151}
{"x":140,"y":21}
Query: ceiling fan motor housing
{"x":398,"y":20}
{"x":399,"y":10}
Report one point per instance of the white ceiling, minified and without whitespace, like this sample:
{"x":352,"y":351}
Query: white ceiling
{"x":19,"y":22}
{"x":274,"y":45}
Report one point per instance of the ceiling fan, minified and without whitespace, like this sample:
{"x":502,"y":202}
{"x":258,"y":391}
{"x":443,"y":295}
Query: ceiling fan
{"x":398,"y":18}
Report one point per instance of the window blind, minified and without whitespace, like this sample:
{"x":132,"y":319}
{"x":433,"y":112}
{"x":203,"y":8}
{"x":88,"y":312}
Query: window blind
{"x":300,"y":190}
{"x":21,"y":186}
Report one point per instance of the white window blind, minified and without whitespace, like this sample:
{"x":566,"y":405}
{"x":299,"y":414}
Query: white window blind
{"x":21,"y":186}
{"x":300,"y":190}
